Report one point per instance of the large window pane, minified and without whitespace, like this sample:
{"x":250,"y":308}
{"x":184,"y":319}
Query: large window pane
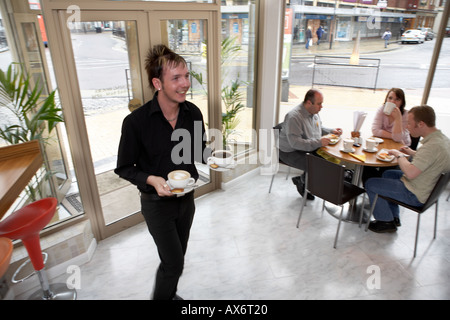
{"x":352,"y":32}
{"x":110,"y":86}
{"x":238,"y":73}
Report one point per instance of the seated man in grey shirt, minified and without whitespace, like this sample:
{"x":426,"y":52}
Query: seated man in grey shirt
{"x":302,"y":132}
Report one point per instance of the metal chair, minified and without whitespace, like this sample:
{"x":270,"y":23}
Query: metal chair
{"x":414,"y":142}
{"x":325,"y":180}
{"x":433,"y":198}
{"x":278,"y":127}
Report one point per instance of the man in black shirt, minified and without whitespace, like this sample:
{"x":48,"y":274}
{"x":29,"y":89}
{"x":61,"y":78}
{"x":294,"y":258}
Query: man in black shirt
{"x":165,"y":134}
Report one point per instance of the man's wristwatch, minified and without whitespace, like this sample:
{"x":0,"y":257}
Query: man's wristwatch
{"x":400,"y":156}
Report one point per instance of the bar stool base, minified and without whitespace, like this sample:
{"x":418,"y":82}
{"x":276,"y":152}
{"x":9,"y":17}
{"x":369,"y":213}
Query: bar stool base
{"x":58,"y":291}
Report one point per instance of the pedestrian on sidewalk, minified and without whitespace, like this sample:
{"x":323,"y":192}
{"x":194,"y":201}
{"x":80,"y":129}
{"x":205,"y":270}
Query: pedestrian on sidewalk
{"x":386,"y":36}
{"x":308,"y":38}
{"x":319,"y":33}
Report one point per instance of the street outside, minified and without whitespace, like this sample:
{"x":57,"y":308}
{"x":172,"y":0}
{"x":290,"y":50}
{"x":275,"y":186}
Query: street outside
{"x":102,"y":80}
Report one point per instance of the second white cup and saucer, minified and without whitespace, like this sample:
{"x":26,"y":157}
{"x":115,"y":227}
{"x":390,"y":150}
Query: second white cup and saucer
{"x":347,"y":146}
{"x":221,"y":160}
{"x":371,"y":145}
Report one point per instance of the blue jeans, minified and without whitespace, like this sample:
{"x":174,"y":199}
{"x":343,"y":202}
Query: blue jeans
{"x":389,"y":185}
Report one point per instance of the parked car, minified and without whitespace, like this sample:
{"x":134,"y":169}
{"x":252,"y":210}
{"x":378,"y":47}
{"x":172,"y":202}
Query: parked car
{"x":413,"y":35}
{"x":428,"y":33}
{"x":447,"y":31}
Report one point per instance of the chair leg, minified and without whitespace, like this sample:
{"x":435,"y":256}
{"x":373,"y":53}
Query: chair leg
{"x":362,"y":210}
{"x":338,"y":227}
{"x":289,"y":171}
{"x":417,"y":234}
{"x":271,"y":182}
{"x":371,"y":211}
{"x":301,"y":210}
{"x":435,"y":218}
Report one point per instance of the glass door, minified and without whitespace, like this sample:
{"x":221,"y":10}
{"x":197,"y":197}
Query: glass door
{"x":189,"y":38}
{"x":108,"y":69}
{"x":109,"y":49}
{"x":54,"y":179}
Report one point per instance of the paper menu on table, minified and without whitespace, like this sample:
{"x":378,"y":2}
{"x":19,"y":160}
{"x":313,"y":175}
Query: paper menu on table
{"x":358,"y":120}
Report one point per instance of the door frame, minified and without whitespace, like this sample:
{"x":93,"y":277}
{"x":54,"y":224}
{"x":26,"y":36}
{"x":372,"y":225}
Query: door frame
{"x":56,"y":15}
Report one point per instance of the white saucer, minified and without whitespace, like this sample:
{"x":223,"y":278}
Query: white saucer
{"x":232,"y":165}
{"x":379,"y":140}
{"x":370,"y":150}
{"x":334,"y":141}
{"x":347,"y":151}
{"x":186,"y":190}
{"x":388,"y":159}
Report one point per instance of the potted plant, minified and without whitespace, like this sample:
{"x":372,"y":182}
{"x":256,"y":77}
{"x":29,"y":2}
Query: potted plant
{"x":27,"y":115}
{"x":231,"y":94}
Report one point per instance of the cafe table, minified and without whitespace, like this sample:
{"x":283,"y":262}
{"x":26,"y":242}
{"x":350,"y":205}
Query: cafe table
{"x":371,"y":160}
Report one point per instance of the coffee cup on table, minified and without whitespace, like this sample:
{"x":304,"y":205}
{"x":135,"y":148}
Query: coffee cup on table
{"x":348,"y":144}
{"x":371,"y":144}
{"x":222,"y":158}
{"x":388,"y":108}
{"x":180,"y":179}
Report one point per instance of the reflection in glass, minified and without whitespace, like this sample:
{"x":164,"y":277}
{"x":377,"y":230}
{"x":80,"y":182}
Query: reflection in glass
{"x":238,"y":74}
{"x":53,"y":179}
{"x":187,"y":38}
{"x":110,"y":85}
{"x":354,"y":30}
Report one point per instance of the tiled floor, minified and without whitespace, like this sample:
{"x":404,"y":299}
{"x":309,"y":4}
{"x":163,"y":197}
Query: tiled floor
{"x":244,"y":245}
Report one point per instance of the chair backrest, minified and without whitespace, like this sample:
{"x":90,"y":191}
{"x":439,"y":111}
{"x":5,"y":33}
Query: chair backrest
{"x":278,"y":126}
{"x":414,"y":142}
{"x":440,"y":186}
{"x":325,"y":179}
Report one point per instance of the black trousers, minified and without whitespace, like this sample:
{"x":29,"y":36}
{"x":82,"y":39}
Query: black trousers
{"x":169,"y":221}
{"x":296,"y":159}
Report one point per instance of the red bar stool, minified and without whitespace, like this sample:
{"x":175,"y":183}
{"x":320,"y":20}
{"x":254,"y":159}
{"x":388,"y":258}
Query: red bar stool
{"x":25,"y":224}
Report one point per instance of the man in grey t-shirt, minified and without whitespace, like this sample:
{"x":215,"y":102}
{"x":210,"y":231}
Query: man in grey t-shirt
{"x":302,"y":132}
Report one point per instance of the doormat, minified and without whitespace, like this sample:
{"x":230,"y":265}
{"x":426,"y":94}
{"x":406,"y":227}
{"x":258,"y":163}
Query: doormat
{"x":73,"y":204}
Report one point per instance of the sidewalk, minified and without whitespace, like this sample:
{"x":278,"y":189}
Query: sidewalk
{"x":343,"y":47}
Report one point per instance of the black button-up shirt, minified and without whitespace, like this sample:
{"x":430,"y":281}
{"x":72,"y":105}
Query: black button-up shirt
{"x":146,"y":146}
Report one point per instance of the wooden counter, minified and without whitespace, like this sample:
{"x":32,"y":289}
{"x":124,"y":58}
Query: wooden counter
{"x":18,"y":164}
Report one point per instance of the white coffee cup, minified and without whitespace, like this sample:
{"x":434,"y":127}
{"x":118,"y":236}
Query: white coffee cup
{"x":371,"y":144}
{"x":222,"y":158}
{"x":388,"y":107}
{"x":180,"y":179}
{"x":348,"y":144}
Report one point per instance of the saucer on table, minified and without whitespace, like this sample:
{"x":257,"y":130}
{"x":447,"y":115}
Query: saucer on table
{"x":380,"y":156}
{"x":348,"y":150}
{"x":379,"y":140}
{"x":370,"y":150}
